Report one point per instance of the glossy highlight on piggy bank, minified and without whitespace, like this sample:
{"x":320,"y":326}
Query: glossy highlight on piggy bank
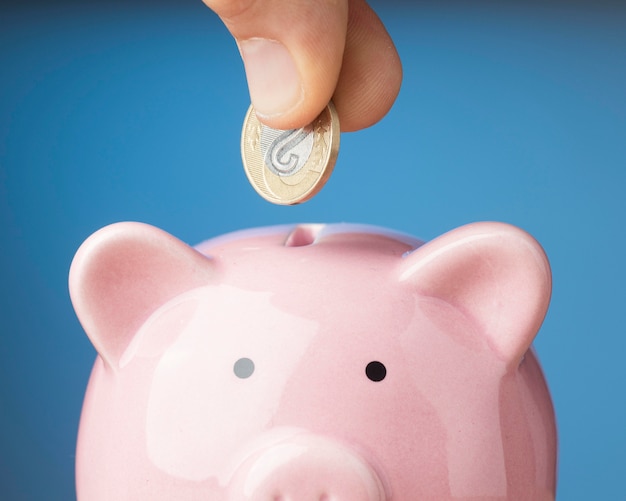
{"x":314,"y":363}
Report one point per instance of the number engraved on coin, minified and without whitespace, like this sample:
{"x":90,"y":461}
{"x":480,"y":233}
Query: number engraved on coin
{"x":287,"y":151}
{"x":290,"y":167}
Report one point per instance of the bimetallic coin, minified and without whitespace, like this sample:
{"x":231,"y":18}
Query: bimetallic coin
{"x":288,"y":167}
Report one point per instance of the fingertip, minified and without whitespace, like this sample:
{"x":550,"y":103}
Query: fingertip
{"x":301,"y":115}
{"x":363,"y":102}
{"x":371,"y":74}
{"x":273,"y":78}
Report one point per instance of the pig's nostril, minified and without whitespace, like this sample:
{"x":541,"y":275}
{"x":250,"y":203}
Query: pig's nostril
{"x":283,"y":497}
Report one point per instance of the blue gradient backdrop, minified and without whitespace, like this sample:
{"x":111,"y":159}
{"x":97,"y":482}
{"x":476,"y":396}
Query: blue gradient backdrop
{"x":132,"y":111}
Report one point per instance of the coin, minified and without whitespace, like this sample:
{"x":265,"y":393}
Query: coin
{"x":289,"y":167}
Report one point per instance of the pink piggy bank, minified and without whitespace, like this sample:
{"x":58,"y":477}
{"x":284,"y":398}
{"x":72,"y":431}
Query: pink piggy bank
{"x":314,"y":363}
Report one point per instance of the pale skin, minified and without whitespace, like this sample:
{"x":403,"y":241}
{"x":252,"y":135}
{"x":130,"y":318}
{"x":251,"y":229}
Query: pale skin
{"x":300,"y":54}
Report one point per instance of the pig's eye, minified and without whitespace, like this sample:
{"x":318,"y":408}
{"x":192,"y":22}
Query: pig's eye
{"x":243,"y":368}
{"x":376,"y":371}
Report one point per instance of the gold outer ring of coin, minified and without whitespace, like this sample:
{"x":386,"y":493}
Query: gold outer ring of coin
{"x":290,"y":167}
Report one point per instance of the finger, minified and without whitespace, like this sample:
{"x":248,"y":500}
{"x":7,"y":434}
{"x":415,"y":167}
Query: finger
{"x":292,"y":52}
{"x":371,"y":73}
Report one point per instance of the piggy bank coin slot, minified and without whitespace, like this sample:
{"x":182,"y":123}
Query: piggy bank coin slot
{"x":376,"y":371}
{"x":302,"y":235}
{"x":243,"y":368}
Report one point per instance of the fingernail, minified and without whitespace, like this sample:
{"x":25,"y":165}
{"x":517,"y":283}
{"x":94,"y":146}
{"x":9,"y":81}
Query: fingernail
{"x":273,"y":78}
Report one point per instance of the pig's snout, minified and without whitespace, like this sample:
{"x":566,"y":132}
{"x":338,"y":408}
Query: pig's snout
{"x":306,"y":468}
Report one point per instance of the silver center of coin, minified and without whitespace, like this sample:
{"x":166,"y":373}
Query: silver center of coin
{"x":285,"y":152}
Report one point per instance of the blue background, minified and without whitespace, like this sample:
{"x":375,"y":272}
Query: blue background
{"x":133,"y":111}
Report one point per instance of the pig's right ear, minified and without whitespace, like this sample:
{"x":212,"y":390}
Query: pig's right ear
{"x":122,"y":274}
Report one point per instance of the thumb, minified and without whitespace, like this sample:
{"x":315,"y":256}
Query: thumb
{"x":292,"y":52}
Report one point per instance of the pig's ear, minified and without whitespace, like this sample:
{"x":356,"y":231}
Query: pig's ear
{"x":123,"y":273}
{"x":495,"y":273}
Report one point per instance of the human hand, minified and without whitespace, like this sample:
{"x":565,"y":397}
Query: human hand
{"x":298,"y":54}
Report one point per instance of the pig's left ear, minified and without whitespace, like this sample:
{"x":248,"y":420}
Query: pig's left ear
{"x":123,"y":273}
{"x":495,"y":273}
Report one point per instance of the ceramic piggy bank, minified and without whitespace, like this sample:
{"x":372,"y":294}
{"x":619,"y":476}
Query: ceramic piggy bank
{"x":314,"y":363}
